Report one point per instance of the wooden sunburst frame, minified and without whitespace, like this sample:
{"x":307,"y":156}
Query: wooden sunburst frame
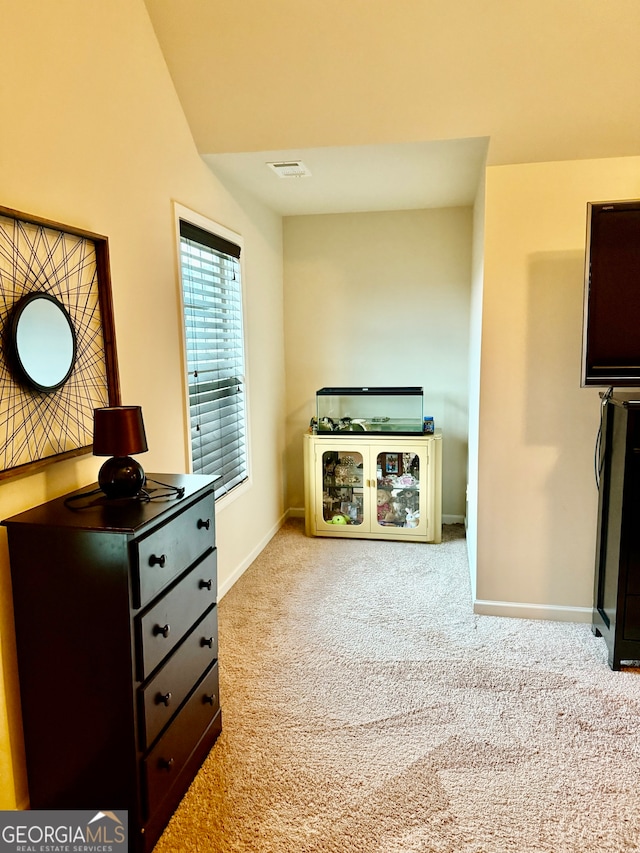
{"x":71,"y":265}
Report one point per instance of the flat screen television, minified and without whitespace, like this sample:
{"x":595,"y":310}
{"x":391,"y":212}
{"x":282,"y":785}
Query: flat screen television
{"x":611,"y":319}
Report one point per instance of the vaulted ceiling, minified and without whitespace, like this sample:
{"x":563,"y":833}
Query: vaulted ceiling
{"x":385,"y":97}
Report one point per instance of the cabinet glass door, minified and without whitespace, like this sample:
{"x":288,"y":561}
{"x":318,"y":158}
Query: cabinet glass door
{"x":398,"y":489}
{"x":342,"y":482}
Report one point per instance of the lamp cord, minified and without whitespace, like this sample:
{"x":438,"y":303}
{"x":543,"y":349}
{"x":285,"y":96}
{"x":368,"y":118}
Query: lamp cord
{"x":144,"y":495}
{"x":71,"y":499}
{"x":174,"y":491}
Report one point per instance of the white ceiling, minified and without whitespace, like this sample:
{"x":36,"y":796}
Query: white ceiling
{"x":360,"y":178}
{"x":371,"y":90}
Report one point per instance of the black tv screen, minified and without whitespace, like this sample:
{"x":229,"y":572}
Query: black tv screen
{"x":611,"y":322}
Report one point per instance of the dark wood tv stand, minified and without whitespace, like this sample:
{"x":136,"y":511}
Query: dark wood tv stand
{"x":616,"y":611}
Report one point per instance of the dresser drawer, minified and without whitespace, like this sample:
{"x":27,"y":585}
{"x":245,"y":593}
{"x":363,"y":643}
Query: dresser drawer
{"x":163,"y":554}
{"x":163,"y":764}
{"x":166,"y":691}
{"x":162,"y":627}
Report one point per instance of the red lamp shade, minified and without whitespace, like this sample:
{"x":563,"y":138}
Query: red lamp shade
{"x":118,"y":432}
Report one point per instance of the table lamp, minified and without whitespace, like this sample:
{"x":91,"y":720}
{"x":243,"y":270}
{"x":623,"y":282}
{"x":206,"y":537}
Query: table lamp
{"x":118,"y":432}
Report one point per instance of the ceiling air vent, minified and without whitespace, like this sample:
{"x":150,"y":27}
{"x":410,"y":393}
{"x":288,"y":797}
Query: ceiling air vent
{"x":290,"y":169}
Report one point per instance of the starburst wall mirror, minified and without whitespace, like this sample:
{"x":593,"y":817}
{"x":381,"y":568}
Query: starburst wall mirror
{"x":58,"y":356}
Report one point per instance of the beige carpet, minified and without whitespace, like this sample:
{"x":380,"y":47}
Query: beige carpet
{"x":365,"y":708}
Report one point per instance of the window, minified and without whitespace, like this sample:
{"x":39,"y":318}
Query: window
{"x":212,"y":309}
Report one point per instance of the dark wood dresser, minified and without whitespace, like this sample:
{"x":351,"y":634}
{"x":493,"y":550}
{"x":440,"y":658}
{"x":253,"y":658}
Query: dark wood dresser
{"x":116,"y":627}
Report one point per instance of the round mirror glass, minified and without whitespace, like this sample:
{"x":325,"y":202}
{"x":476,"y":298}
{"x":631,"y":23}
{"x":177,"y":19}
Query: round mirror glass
{"x":43,"y":341}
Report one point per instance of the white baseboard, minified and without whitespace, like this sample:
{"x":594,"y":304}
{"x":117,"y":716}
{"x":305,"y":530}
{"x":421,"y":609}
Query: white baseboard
{"x":550,"y":612}
{"x":241,"y":569}
{"x":295,"y":512}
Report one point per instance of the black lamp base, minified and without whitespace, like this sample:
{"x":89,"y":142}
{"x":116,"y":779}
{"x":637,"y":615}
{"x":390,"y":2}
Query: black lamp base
{"x":121,"y":477}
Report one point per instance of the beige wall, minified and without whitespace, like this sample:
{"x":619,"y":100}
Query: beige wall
{"x":537,"y":500}
{"x":380,"y":299}
{"x":94,"y":136}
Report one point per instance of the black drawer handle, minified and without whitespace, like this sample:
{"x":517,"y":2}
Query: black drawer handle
{"x":158,"y":561}
{"x":207,"y":641}
{"x":161,"y":629}
{"x":205,"y":584}
{"x":166,"y":763}
{"x":163,"y":699}
{"x":204,"y":522}
{"x":209,"y":699}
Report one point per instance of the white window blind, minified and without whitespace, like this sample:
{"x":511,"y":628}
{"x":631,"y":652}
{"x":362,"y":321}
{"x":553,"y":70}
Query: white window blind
{"x":212,"y":304}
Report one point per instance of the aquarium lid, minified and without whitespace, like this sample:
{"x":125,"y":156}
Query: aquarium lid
{"x":412,"y":390}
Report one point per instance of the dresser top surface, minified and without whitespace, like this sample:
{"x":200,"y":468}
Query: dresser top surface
{"x":90,"y":509}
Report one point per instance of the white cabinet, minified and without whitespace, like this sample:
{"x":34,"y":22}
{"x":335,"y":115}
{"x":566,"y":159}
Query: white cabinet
{"x":374,"y":488}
